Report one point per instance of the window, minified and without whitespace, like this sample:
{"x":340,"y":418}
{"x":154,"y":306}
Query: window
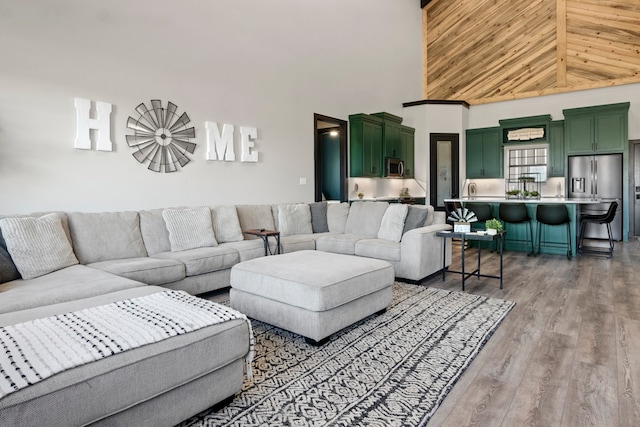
{"x":524,"y":161}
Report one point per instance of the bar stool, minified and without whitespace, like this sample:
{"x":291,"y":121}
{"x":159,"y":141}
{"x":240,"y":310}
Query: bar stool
{"x":606,"y":218}
{"x":554,"y":215}
{"x":516,"y":213}
{"x":483,"y":213}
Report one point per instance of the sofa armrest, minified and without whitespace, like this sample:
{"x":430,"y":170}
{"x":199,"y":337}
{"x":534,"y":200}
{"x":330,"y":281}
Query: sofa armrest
{"x":439,"y":217}
{"x":421,"y":252}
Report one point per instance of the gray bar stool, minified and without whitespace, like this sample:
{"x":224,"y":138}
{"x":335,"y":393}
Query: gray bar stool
{"x":553,"y":215}
{"x":516,"y":213}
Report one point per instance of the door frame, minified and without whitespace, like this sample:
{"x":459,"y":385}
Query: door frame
{"x":433,"y":166}
{"x":634,"y":145}
{"x":317,"y":154}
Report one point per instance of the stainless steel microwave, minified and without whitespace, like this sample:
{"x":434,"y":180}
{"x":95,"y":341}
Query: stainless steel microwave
{"x":394,"y":168}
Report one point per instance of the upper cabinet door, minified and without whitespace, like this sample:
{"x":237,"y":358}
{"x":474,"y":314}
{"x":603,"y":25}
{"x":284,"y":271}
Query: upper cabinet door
{"x":484,"y":153}
{"x":599,"y":129}
{"x":556,"y":149}
{"x":365,"y":146}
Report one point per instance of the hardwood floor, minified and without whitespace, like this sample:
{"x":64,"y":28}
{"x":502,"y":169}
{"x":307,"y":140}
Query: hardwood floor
{"x":568,"y":354}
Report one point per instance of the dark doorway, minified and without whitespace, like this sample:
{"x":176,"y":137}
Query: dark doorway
{"x":330,"y":155}
{"x":444,"y":168}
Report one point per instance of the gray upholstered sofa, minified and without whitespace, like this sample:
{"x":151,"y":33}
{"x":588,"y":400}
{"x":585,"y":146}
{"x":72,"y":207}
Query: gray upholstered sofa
{"x":121,"y":255}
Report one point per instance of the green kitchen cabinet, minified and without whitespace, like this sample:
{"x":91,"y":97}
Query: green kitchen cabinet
{"x":407,"y":150}
{"x":391,"y":134}
{"x":484,"y":153}
{"x":365,"y":146}
{"x":598,"y":129}
{"x":557,"y":157}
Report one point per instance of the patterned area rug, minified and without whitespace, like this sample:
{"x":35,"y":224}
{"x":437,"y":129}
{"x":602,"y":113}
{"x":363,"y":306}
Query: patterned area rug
{"x":390,"y":369}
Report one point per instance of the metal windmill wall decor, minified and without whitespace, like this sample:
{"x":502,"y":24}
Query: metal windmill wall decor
{"x":161,"y":136}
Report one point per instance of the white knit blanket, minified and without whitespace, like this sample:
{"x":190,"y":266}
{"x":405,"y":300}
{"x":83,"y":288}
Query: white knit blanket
{"x":38,"y":349}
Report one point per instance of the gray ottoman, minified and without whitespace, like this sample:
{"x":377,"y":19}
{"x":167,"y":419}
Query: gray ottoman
{"x":311,"y":293}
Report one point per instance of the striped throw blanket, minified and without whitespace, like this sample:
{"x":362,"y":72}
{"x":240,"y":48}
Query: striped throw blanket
{"x":38,"y":349}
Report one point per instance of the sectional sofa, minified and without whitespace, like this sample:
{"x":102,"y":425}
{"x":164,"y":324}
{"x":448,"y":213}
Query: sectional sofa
{"x":91,"y":259}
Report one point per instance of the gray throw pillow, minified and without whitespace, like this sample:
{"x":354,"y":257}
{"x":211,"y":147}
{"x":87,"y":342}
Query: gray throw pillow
{"x":8,"y":270}
{"x":415,"y":218}
{"x":319,"y":217}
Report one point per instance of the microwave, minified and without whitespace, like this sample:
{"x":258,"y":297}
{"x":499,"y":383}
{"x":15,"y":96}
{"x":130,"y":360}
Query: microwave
{"x":394,"y":168}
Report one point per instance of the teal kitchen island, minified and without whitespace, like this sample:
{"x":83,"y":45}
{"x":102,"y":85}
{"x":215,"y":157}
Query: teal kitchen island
{"x":550,"y":234}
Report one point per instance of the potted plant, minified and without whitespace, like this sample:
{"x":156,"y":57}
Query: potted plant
{"x":513,"y":194}
{"x":493,"y":226}
{"x":360,"y":195}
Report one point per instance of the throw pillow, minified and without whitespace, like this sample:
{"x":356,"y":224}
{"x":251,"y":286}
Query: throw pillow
{"x":37,"y":245}
{"x":189,"y":228}
{"x":226,"y":224}
{"x":365,"y":218}
{"x":8,"y":270}
{"x":319,"y":217}
{"x":294,"y":219}
{"x":393,"y":222}
{"x":415,"y":218}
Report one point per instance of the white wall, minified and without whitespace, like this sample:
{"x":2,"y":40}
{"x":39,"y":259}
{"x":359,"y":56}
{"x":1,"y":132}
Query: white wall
{"x":270,"y":65}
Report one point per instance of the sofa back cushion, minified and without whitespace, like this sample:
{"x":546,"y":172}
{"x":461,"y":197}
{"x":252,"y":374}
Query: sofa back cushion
{"x":294,"y":219}
{"x":365,"y":218}
{"x":38,"y":245}
{"x":319,"y":217}
{"x":392,"y":225}
{"x":337,"y":214}
{"x":226,"y":224}
{"x":105,"y":236}
{"x":154,"y":231}
{"x":189,"y":228}
{"x":255,"y":216}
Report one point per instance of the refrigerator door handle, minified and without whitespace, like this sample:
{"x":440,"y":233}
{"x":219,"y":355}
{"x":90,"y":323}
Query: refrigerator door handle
{"x":595,"y":178}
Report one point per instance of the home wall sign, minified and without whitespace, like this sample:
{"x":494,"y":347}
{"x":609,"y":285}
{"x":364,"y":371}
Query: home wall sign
{"x":161,"y":136}
{"x":84,"y":123}
{"x":220,"y":144}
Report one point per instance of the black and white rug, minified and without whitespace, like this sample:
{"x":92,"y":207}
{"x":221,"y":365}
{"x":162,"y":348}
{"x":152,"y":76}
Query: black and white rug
{"x":391,"y":369}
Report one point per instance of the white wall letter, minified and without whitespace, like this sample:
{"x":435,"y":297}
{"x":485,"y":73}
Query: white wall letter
{"x":247,"y":136}
{"x":219,"y":144}
{"x":102,"y":123}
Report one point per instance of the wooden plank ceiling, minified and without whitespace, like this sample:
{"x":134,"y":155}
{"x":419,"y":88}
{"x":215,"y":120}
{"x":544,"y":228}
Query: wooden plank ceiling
{"x":488,"y":50}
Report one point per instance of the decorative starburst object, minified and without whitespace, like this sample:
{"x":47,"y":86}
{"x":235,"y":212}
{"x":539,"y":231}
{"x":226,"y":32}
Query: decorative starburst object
{"x":161,"y":136}
{"x":462,"y":215}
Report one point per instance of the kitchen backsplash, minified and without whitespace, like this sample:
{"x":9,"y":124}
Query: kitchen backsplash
{"x":383,"y":187}
{"x":495,"y":187}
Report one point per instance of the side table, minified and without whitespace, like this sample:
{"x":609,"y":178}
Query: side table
{"x":499,"y":238}
{"x":264,"y":235}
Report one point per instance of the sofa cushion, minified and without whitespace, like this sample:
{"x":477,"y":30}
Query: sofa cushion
{"x":249,"y":249}
{"x":154,"y":231}
{"x":416,"y":217}
{"x":255,"y":216}
{"x":108,"y":235}
{"x":337,"y":214}
{"x":204,"y":260}
{"x":152,"y":271}
{"x":299,"y":242}
{"x":68,"y":284}
{"x":379,"y":249}
{"x":365,"y":218}
{"x":392,"y":223}
{"x":339,"y":243}
{"x":319,"y":217}
{"x":226,"y":224}
{"x":189,"y":228}
{"x":37,"y":245}
{"x":294,"y":219}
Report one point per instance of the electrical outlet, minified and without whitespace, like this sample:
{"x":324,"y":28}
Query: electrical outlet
{"x":303,"y":181}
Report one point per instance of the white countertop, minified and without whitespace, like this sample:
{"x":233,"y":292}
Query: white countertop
{"x":496,"y":199}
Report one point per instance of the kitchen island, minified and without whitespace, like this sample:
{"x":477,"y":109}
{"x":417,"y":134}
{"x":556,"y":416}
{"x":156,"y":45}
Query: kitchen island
{"x":519,"y":232}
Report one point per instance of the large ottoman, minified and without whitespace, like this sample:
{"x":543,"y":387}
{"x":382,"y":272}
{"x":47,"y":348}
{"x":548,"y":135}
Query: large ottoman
{"x":311,"y":293}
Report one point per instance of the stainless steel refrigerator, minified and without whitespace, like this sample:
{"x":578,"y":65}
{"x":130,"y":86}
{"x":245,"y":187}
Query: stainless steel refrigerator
{"x":597,"y":178}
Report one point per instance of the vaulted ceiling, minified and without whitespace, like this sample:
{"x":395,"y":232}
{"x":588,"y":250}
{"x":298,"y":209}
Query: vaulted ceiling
{"x":482,"y":51}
